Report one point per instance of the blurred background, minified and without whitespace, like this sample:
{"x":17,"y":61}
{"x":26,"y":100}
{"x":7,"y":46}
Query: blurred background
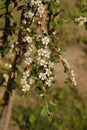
{"x":72,"y":106}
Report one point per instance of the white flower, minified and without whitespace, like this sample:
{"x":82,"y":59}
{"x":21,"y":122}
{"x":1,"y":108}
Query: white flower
{"x":38,"y":2}
{"x":27,"y":54}
{"x":73,"y":78}
{"x":44,"y":52}
{"x":43,"y":62}
{"x":81,"y":20}
{"x":24,"y":21}
{"x":49,"y":81}
{"x":35,"y":2}
{"x":45,"y":40}
{"x":66,"y":62}
{"x":26,"y":73}
{"x":28,"y":14}
{"x":41,"y":10}
{"x":12,"y":46}
{"x":27,"y":39}
{"x":54,"y":33}
{"x":8,"y":65}
{"x":32,"y":2}
{"x":29,"y":51}
{"x":51,"y":64}
{"x":31,"y":14}
{"x":72,"y":72}
{"x":23,"y":81}
{"x":42,"y":76}
{"x":48,"y":72}
{"x":28,"y":60}
{"x":40,"y":52}
{"x":31,"y":81}
{"x":26,"y":87}
{"x":28,"y":29}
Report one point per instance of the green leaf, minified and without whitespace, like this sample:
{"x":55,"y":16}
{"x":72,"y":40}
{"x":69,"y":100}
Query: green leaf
{"x":32,"y":119}
{"x":34,"y":76}
{"x":54,"y":60}
{"x":62,"y":49}
{"x":53,"y":107}
{"x":53,"y":7}
{"x":58,"y":12}
{"x":61,"y":95}
{"x":44,"y":112}
{"x":66,"y":70}
{"x":50,"y":118}
{"x":68,"y":80}
{"x":60,"y":22}
{"x":54,"y":23}
{"x":6,"y":50}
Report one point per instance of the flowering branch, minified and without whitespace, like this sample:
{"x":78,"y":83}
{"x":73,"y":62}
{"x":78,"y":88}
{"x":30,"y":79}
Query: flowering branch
{"x":35,"y":49}
{"x":38,"y":39}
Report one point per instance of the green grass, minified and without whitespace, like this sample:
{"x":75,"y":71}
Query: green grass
{"x":69,"y":116}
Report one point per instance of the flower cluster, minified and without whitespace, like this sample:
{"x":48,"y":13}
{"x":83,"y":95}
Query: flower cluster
{"x":40,"y":7}
{"x":70,"y":73}
{"x":8,"y":65}
{"x":35,"y":2}
{"x":81,"y":20}
{"x":46,"y":76}
{"x":41,"y":10}
{"x":28,"y":14}
{"x":26,"y":80}
{"x":45,"y":40}
{"x":28,"y":55}
{"x":37,"y":58}
{"x":27,"y":39}
{"x":49,"y":81}
{"x":43,"y":59}
{"x":66,"y":63}
{"x":73,"y":78}
{"x":44,"y":52}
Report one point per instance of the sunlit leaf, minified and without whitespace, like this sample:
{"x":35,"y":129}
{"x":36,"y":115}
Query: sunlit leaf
{"x":32,"y":119}
{"x":52,"y":106}
{"x":44,"y":112}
